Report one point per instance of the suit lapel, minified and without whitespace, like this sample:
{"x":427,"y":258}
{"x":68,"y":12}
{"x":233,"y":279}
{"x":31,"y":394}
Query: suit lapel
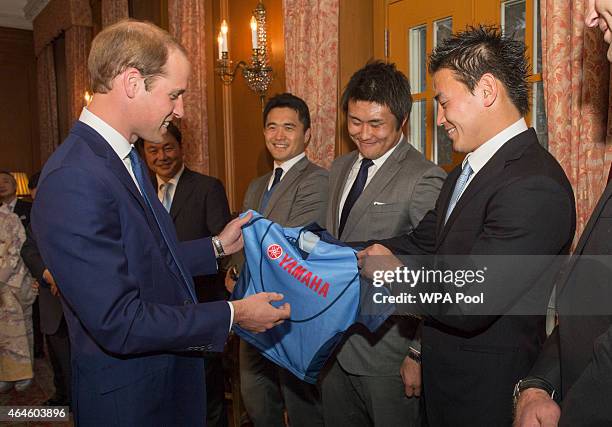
{"x":285,"y":183}
{"x":260,"y":190}
{"x":584,"y":238}
{"x":383,"y":176}
{"x":103,"y":149}
{"x":511,"y":150}
{"x":184,"y":188}
{"x":607,"y":194}
{"x":336,"y":192}
{"x":445,"y":195}
{"x":113,"y":163}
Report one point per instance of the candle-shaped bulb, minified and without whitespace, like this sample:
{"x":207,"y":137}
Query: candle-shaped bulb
{"x":254,"y":32}
{"x":87,"y":97}
{"x":220,"y":44}
{"x":224,"y":30}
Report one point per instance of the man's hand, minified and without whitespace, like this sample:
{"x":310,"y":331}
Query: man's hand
{"x":411,"y":375}
{"x":256,"y":314}
{"x":535,"y":408}
{"x":376,"y":258}
{"x":51,"y":281}
{"x":231,"y":235}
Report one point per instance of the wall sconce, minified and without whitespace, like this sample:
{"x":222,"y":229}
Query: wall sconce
{"x":22,"y":183}
{"x":258,"y":74}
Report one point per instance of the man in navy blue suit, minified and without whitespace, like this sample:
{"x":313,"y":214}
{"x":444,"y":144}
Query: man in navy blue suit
{"x":125,"y":280}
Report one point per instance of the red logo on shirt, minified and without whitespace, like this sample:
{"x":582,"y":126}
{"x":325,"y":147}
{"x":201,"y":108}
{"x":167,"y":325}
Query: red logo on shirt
{"x":274,"y":251}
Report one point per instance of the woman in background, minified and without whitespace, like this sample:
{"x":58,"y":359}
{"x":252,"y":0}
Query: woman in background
{"x":16,"y":298}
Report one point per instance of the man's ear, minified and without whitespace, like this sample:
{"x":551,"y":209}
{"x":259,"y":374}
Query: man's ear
{"x":307,"y":136}
{"x":488,"y":89}
{"x":131,"y":80}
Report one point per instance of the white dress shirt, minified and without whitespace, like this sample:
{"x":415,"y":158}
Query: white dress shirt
{"x":172,"y":189}
{"x":288,"y":164}
{"x":118,"y":143}
{"x":352,"y":176}
{"x":122,"y":147}
{"x":479,"y":157}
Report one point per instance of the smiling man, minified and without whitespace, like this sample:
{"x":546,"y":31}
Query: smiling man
{"x":382,"y":189}
{"x":293,"y":195}
{"x":508,"y":197}
{"x":125,"y":280}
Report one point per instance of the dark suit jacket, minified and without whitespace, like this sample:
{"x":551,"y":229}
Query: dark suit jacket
{"x":126,"y":307}
{"x":200,"y":209}
{"x":22,"y":210}
{"x":577,"y":357}
{"x":51,"y":313}
{"x":520,"y":203}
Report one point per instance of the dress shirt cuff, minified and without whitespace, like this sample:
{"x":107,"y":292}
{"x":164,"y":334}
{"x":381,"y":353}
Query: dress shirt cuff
{"x":231,"y":315}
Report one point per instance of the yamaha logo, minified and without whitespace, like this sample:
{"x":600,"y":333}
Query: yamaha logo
{"x":274,"y":251}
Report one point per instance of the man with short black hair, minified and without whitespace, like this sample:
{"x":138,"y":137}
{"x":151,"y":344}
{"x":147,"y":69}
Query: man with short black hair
{"x":293,"y":195}
{"x":509,"y":197}
{"x":380,"y":190}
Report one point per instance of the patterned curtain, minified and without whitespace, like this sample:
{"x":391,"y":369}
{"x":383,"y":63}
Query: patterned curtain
{"x":78,"y":42}
{"x":47,"y":103}
{"x":186,"y":19}
{"x":576,"y":89}
{"x":311,"y":67}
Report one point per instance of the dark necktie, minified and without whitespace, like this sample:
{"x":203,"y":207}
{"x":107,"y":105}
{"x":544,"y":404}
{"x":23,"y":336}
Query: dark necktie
{"x":139,"y":175}
{"x":278,"y":173}
{"x":355,"y":192}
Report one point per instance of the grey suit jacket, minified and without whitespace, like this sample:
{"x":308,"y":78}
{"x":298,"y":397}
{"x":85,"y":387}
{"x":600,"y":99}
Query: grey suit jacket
{"x":298,"y":199}
{"x":403,"y":190}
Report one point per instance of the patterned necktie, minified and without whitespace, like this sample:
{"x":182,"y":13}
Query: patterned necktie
{"x":278,"y":173}
{"x":165,"y":199}
{"x":459,"y":186}
{"x":140,"y":178}
{"x":355,"y":192}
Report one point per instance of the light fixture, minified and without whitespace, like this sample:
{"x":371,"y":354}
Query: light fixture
{"x":87,"y":97}
{"x":22,"y":183}
{"x":257,"y":73}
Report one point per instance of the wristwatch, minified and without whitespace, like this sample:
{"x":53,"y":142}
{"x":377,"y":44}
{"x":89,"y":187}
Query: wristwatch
{"x":532,"y":382}
{"x":414,"y":354}
{"x":218,"y":246}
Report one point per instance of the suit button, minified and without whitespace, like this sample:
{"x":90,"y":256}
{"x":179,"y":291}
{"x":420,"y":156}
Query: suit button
{"x":187,"y":302}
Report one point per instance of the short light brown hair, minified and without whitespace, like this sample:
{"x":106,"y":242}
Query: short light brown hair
{"x":126,"y":44}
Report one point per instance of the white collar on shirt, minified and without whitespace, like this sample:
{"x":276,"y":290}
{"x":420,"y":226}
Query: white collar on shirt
{"x":119,"y":144}
{"x":382,"y":159}
{"x":174,"y":180}
{"x":479,"y":157}
{"x":288,"y":164}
